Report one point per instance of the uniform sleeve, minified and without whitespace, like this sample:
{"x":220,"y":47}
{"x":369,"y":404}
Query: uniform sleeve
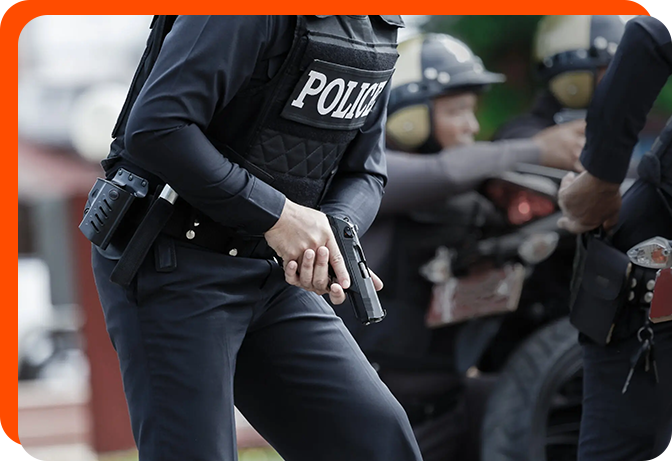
{"x":357,"y":188}
{"x":417,"y":180}
{"x":203,"y":63}
{"x":617,"y":114}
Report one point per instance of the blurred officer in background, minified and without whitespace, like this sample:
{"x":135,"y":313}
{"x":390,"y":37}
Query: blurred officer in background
{"x":432,"y":157}
{"x":624,"y":418}
{"x":571,"y":54}
{"x":255,"y":121}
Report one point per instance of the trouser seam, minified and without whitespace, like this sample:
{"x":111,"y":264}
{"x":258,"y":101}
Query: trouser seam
{"x":153,"y":391}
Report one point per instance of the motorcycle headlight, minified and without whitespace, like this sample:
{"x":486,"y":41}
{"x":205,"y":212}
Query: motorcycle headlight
{"x":655,"y":253}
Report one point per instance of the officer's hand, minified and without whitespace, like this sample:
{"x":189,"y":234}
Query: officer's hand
{"x":300,"y":229}
{"x":588,"y":202}
{"x":561,"y":145}
{"x":314,"y":275}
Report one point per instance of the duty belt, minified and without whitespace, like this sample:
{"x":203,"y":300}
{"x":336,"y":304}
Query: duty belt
{"x":191,"y":226}
{"x":172,"y":216}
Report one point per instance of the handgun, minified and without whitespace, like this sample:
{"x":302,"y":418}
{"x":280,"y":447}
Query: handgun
{"x":361,"y":292}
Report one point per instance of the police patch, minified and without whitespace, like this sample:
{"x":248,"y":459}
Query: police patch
{"x":335,"y":97}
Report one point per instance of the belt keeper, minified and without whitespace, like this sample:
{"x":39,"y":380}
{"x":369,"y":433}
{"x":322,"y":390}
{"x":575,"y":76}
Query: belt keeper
{"x":165,"y":258}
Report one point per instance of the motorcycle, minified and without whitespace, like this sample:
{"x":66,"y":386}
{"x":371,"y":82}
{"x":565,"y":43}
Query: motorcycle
{"x":507,"y":286}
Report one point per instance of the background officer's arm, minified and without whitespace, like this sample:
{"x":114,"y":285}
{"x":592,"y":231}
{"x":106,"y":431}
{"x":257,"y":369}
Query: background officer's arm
{"x":358,"y":185}
{"x":625,"y":96}
{"x":204,"y":61}
{"x":418,"y":180}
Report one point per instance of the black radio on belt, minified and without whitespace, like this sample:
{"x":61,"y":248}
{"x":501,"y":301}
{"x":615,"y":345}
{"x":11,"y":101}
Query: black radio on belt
{"x":108,"y":202}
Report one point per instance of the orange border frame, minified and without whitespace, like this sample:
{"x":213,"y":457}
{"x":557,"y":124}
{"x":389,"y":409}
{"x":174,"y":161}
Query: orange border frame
{"x":21,"y":13}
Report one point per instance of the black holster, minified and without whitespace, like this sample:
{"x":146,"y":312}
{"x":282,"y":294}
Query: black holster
{"x":599,"y":287}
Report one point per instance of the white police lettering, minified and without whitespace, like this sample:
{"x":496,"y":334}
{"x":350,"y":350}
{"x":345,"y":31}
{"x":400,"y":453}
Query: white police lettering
{"x":308,"y":87}
{"x":374,"y":98}
{"x":323,"y":97}
{"x":340,"y":112}
{"x":351,"y":112}
{"x":334,"y":96}
{"x":357,"y":109}
{"x":361,"y":108}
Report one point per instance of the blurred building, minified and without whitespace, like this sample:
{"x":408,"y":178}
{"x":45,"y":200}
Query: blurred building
{"x":74,"y":72}
{"x":73,"y":75}
{"x":65,"y":59}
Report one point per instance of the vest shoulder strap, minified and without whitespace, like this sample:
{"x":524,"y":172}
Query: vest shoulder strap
{"x":160,"y":26}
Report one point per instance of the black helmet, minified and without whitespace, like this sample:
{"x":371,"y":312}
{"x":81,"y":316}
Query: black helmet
{"x":570,"y":49}
{"x":429,"y":66}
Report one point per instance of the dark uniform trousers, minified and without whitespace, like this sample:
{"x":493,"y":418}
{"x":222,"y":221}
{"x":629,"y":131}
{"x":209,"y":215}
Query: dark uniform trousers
{"x":635,"y":426}
{"x":218,"y":326}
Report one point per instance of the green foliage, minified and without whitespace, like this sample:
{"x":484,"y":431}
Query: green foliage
{"x":664,"y":102}
{"x":491,"y":37}
{"x":258,"y":454}
{"x":129,"y":455}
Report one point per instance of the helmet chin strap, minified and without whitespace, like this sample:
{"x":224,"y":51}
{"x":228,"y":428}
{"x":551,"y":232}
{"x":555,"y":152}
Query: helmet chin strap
{"x":431,"y":144}
{"x":596,"y":70}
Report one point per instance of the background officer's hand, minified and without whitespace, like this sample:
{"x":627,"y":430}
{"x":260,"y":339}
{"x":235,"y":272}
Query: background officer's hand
{"x":300,"y":229}
{"x":313,"y":275}
{"x":588,"y":202}
{"x":561,"y":145}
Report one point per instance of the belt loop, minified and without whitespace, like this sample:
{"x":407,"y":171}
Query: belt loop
{"x":190,"y":227}
{"x":165,"y":258}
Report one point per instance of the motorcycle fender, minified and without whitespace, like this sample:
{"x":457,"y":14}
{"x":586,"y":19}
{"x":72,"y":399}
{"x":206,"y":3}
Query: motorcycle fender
{"x":661,"y":305}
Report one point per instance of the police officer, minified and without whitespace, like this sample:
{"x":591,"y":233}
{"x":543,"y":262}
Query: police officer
{"x":571,"y":54}
{"x":637,"y":424}
{"x":432,"y":112}
{"x":255,"y":121}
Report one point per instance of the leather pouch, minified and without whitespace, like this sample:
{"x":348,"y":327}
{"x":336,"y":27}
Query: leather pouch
{"x":598,"y":288}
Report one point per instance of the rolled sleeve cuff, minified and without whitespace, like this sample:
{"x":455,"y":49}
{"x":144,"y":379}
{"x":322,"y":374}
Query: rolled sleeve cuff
{"x":261,"y":209}
{"x":605,"y":172}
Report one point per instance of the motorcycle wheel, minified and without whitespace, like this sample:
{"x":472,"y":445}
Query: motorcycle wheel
{"x":534,"y":412}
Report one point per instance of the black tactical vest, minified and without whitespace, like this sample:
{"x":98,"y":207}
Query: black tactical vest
{"x":293,"y":131}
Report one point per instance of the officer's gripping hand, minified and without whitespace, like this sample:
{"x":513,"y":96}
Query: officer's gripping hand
{"x":561,"y":145}
{"x":587,"y":203}
{"x":313,"y":275}
{"x":301,"y":232}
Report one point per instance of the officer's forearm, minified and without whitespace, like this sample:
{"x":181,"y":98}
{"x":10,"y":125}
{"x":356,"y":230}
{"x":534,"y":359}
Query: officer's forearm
{"x":201,"y":175}
{"x":356,"y":196}
{"x":623,"y":99}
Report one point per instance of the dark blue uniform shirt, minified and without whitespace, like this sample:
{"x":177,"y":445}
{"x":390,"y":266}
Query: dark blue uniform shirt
{"x":625,"y":96}
{"x":204,"y":62}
